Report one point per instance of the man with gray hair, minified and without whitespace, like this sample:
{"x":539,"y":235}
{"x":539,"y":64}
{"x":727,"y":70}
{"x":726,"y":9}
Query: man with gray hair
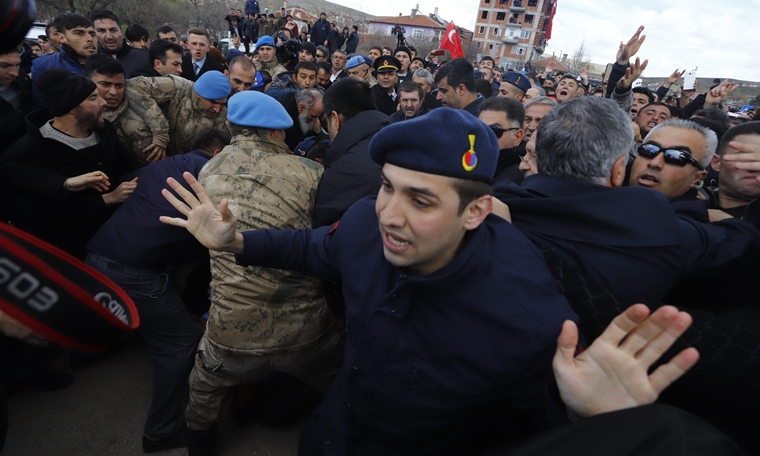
{"x":629,"y":245}
{"x":673,"y":158}
{"x":534,"y":92}
{"x":424,"y":78}
{"x":535,"y":110}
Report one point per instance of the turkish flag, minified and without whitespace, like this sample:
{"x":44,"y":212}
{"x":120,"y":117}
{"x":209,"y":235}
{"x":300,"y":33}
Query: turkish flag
{"x":452,"y":42}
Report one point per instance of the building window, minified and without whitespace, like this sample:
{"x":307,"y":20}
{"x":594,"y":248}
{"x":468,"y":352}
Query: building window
{"x":496,"y":31}
{"x":528,"y":18}
{"x":517,"y":3}
{"x":519,"y":50}
{"x":488,"y":1}
{"x":525,"y":34}
{"x":500,"y":16}
{"x":503,"y":2}
{"x":484,"y":15}
{"x":532,"y":3}
{"x":513,"y":18}
{"x":490,"y":46}
{"x":482,"y":29}
{"x":416,"y":33}
{"x":477,"y":44}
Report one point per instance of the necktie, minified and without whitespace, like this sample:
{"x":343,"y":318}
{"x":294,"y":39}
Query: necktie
{"x":197,"y":68}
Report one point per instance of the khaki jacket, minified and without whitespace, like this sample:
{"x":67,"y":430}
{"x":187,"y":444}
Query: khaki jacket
{"x":133,"y":132}
{"x":273,"y":68}
{"x":256,"y":310}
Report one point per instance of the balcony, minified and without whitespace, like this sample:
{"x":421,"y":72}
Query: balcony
{"x":510,"y":39}
{"x":517,"y":6}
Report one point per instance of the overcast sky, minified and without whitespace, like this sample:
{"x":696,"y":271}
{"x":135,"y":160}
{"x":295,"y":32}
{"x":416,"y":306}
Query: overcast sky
{"x":721,"y":38}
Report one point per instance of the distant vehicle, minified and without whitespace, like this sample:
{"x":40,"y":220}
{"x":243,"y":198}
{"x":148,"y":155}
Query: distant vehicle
{"x":38,"y":28}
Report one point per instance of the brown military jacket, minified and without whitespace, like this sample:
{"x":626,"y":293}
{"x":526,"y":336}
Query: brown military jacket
{"x":369,"y":79}
{"x":256,"y":310}
{"x":273,"y":68}
{"x":168,"y":104}
{"x":133,"y":132}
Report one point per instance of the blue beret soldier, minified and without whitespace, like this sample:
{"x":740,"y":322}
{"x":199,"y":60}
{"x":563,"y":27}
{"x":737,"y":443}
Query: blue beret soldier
{"x":514,"y":85}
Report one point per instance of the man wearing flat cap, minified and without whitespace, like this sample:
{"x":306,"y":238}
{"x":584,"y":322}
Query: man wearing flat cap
{"x":260,"y":319}
{"x":457,"y":317}
{"x":66,"y":170}
{"x":176,"y":109}
{"x":514,"y":85}
{"x":386,"y":98}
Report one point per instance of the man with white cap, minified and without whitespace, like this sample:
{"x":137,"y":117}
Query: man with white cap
{"x":261,"y":319}
{"x":188,"y":108}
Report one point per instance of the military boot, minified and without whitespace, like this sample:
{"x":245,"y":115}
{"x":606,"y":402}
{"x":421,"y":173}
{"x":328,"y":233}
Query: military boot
{"x":201,"y":443}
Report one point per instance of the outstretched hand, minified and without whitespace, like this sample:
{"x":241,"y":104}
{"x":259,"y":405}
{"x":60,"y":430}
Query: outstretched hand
{"x":632,"y":73}
{"x":719,"y":94}
{"x":675,"y":77}
{"x":97,"y":180}
{"x":629,"y":49}
{"x":612,"y":373}
{"x":212,"y":227}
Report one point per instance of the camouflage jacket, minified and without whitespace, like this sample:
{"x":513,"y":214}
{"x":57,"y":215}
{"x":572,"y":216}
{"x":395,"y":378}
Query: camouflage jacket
{"x":133,"y":132}
{"x":256,"y":310}
{"x":273,"y":68}
{"x":168,"y":104}
{"x":369,"y":79}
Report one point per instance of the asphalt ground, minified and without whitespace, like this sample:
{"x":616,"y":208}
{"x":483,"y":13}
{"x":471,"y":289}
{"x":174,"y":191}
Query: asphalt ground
{"x":103,"y":413}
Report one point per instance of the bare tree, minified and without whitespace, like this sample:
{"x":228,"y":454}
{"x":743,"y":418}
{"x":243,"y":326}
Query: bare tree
{"x":579,"y":58}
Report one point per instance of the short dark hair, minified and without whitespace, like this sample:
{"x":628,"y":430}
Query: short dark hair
{"x":198,"y":31}
{"x":42,"y":38}
{"x":386,"y":48}
{"x":48,"y":27}
{"x":747,"y":128}
{"x":242,"y":61}
{"x":136,"y":32}
{"x":210,"y":139}
{"x":324,"y":66}
{"x":424,"y":63}
{"x":716,"y":114}
{"x":513,"y":109}
{"x":103,"y":64}
{"x":378,"y":48}
{"x":656,"y":103}
{"x":645,"y":91}
{"x":356,"y":29}
{"x":488,"y":57}
{"x":158,"y":50}
{"x":70,"y":21}
{"x":457,"y":72}
{"x":305,"y":66}
{"x":165,"y":29}
{"x":102,"y":13}
{"x":484,"y":87}
{"x":411,"y":86}
{"x":469,"y":190}
{"x":348,"y":97}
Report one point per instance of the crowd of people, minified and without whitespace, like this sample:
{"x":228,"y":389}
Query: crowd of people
{"x":451,"y":257}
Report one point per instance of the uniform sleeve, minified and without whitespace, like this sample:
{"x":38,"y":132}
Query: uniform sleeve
{"x":312,"y":252}
{"x":144,"y":95}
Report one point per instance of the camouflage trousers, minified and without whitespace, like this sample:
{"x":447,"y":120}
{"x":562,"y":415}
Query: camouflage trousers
{"x":216,"y":371}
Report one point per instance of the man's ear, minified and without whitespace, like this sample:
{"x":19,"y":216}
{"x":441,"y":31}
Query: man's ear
{"x":477,"y":211}
{"x":226,"y":73}
{"x":698,"y":176}
{"x":715,"y":163}
{"x":618,"y":172}
{"x":301,"y":108}
{"x":519,"y":136}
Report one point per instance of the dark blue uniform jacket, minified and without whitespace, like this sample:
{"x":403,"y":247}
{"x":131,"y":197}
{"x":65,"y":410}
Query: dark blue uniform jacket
{"x":628,"y":239}
{"x":426,"y":355}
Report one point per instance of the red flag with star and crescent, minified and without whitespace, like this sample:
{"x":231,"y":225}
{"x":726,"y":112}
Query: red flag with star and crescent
{"x":451,"y":41}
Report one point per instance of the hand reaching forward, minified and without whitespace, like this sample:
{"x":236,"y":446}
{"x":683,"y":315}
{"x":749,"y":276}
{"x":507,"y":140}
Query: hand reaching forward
{"x":612,"y":373}
{"x":632,"y":73}
{"x":96,"y":180}
{"x":629,"y":49}
{"x":718,"y":95}
{"x":213,"y":228}
{"x":675,"y":77}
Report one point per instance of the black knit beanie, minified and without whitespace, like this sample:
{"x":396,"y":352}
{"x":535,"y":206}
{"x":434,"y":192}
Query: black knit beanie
{"x":62,"y":90}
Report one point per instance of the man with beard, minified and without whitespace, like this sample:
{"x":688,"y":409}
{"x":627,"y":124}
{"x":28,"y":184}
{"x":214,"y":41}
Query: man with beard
{"x":304,"y":106}
{"x":66,"y":169}
{"x":456,"y":86}
{"x":386,"y":98}
{"x":411,"y":102}
{"x":80,"y":43}
{"x":241,"y":73}
{"x":111,"y":39}
{"x":108,"y":75}
{"x":504,"y":117}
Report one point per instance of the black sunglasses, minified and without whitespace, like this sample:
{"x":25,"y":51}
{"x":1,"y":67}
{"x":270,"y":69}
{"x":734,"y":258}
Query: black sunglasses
{"x":672,"y":156}
{"x":499,"y":131}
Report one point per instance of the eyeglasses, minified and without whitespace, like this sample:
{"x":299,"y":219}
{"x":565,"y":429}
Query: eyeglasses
{"x":499,"y":131}
{"x":672,"y":156}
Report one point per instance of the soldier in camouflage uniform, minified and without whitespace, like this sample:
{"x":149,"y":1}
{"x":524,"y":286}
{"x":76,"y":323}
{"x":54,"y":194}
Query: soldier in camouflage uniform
{"x":268,"y":57}
{"x":109,"y":76}
{"x":173,"y":106}
{"x":261,"y":320}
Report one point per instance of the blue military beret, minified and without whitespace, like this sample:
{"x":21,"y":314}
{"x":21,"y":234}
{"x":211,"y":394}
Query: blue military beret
{"x":265,"y":40}
{"x":213,"y":85}
{"x":518,"y":80}
{"x":232,"y":53}
{"x":354,"y":61}
{"x":250,"y":108}
{"x":367,"y":60}
{"x":446,"y":141}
